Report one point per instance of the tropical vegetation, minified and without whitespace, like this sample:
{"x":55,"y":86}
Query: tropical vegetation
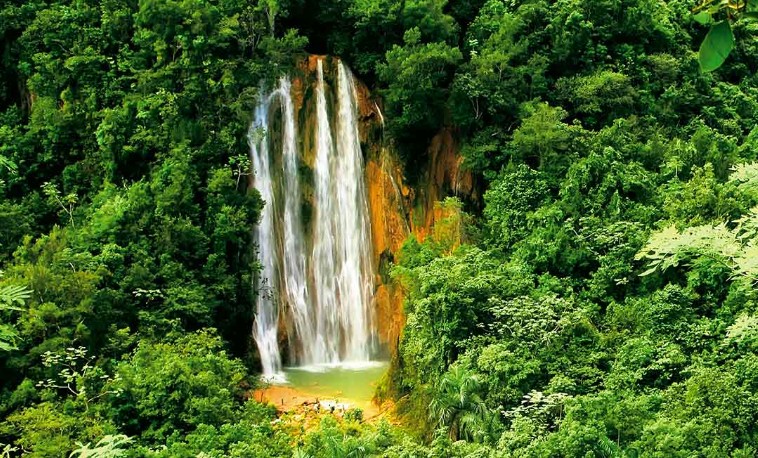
{"x":598,"y":299}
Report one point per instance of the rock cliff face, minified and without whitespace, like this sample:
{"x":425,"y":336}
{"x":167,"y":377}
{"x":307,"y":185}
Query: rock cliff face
{"x":397,"y":208}
{"x":390,"y":226}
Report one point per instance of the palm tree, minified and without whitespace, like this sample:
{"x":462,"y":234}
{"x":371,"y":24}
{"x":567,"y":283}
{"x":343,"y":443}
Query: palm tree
{"x":457,"y":406}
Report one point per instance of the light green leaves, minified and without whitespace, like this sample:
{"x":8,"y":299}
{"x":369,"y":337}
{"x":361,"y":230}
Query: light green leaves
{"x":10,"y":297}
{"x":745,"y":177}
{"x":669,"y":247}
{"x":107,"y":447}
{"x":703,"y":17}
{"x":716,"y":47}
{"x":734,"y":245}
{"x":734,"y":248}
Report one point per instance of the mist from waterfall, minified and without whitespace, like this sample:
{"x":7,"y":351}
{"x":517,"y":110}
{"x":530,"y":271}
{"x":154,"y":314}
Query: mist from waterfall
{"x":317,"y":277}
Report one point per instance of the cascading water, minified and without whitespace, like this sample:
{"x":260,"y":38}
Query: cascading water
{"x":324,"y":237}
{"x":266,"y":316}
{"x":295,"y":281}
{"x":317,"y":277}
{"x":354,"y":269}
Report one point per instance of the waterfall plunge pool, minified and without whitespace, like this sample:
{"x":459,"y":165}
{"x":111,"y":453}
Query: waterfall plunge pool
{"x":349,"y":383}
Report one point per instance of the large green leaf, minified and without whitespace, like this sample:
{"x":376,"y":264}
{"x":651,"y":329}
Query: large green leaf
{"x":716,"y":46}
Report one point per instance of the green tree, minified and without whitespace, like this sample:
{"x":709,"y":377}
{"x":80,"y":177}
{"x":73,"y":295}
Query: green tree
{"x":169,"y":387}
{"x":417,"y":74}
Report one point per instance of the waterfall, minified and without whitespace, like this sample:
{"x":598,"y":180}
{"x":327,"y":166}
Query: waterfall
{"x":317,"y":276}
{"x":354,"y":270}
{"x":295,"y":283}
{"x":324,"y":237}
{"x":266,"y":313}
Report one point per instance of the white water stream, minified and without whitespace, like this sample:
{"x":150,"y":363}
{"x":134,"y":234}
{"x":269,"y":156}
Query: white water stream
{"x":317,"y":278}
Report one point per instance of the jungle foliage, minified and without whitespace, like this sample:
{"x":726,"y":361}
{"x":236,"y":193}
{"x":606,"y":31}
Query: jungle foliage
{"x":607,"y":290}
{"x":602,"y":302}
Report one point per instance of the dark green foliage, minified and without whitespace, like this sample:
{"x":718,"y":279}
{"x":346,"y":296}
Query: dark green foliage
{"x":602,"y":302}
{"x":186,"y":395}
{"x":612,"y":274}
{"x":169,"y":388}
{"x":417,"y":74}
{"x":124,"y":214}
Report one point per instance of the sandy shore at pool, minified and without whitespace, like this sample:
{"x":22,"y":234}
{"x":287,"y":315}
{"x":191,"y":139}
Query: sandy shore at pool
{"x":288,"y":399}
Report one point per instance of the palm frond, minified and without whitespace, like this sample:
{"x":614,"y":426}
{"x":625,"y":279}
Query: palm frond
{"x":10,"y":295}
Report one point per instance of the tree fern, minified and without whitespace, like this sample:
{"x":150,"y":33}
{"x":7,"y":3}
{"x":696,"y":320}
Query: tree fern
{"x":11,"y":296}
{"x":734,"y":245}
{"x":745,"y":176}
{"x":109,"y":446}
{"x":734,"y":248}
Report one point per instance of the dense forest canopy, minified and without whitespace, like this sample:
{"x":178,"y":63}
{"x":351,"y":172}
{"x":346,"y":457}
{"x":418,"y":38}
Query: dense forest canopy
{"x":598,"y":301}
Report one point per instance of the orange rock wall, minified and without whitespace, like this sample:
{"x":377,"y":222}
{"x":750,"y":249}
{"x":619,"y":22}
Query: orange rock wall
{"x":444,"y":176}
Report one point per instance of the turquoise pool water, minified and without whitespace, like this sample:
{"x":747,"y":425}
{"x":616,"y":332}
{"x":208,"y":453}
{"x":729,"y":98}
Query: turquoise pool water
{"x":355,"y":384}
